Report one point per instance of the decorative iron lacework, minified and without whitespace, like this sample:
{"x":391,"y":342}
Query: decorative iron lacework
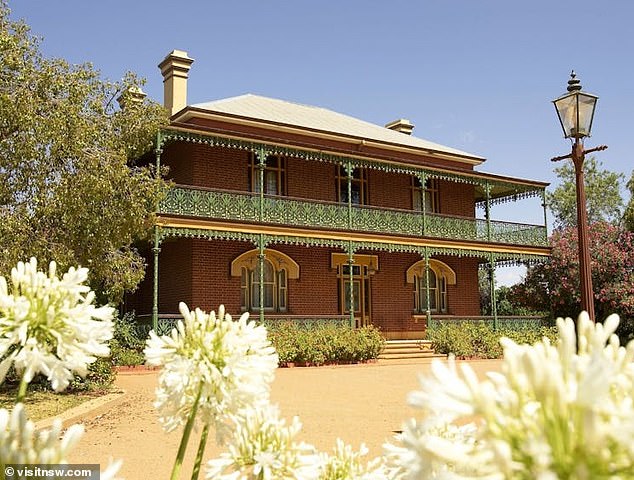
{"x":247,"y":207}
{"x":271,"y":322}
{"x":344,"y":245}
{"x":515,"y":323}
{"x":167,"y":135}
{"x":201,"y":233}
{"x":529,"y":192}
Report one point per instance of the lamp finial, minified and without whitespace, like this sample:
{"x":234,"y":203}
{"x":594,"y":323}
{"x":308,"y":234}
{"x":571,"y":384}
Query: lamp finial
{"x":574,"y":84}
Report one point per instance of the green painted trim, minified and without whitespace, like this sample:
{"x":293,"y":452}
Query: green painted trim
{"x":155,"y":284}
{"x":261,"y":258}
{"x":427,"y":292}
{"x":494,"y":306}
{"x":351,"y":251}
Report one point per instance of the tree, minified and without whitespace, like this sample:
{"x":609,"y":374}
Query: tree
{"x":603,"y":196}
{"x":70,"y":190}
{"x":628,"y":217}
{"x":555,"y":285}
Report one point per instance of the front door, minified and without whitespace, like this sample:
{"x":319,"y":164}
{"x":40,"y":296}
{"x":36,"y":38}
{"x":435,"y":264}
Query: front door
{"x":359,"y":301}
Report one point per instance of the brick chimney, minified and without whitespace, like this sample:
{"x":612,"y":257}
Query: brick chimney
{"x":401,"y":125}
{"x":175,"y":70}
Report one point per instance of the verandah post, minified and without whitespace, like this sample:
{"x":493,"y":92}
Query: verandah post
{"x":156,"y":248}
{"x":349,"y":171}
{"x":544,"y":204}
{"x":155,"y":286}
{"x":351,"y":284}
{"x":423,"y":208}
{"x":261,"y":257}
{"x":494,"y":306}
{"x":487,"y":209}
{"x":427,"y":293}
{"x":261,"y":168}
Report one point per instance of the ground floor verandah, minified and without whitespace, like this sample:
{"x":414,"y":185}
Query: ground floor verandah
{"x":398,"y":288}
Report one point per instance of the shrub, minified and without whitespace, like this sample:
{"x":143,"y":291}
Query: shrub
{"x":479,"y":340}
{"x":126,"y":346}
{"x":324,"y":343}
{"x":101,"y":376}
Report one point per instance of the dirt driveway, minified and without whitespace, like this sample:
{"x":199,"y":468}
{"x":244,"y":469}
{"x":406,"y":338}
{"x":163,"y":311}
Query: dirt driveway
{"x":358,"y":403}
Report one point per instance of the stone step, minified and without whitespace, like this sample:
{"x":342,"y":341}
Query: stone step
{"x":407,"y":349}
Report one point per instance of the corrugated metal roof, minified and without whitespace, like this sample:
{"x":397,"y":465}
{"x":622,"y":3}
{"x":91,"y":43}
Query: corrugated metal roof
{"x":318,"y":118}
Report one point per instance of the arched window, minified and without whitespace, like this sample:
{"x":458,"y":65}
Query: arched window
{"x":277,"y":269}
{"x":438,"y":276}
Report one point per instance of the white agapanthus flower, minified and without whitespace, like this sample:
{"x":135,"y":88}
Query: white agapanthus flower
{"x":347,"y":464}
{"x":21,"y":444}
{"x":226,"y":365}
{"x":263,"y":447}
{"x":554,"y":411}
{"x":50,"y":325}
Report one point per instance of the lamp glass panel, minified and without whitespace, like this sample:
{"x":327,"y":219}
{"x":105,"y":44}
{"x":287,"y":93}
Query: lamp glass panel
{"x":586,"y":112}
{"x":575,"y":113}
{"x":567,"y":114}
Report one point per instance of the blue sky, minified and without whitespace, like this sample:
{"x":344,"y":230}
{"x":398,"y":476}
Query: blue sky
{"x":478,"y":75}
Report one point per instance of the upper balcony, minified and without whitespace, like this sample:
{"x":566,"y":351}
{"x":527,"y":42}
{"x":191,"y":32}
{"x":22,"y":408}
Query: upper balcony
{"x":288,"y":211}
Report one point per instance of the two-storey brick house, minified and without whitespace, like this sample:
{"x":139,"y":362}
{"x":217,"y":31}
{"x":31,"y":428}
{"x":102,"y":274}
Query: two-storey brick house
{"x":293,"y":211}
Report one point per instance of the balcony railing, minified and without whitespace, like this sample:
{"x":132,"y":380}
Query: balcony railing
{"x":248,"y":207}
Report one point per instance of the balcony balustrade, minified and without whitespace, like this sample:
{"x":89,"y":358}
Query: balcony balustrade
{"x":249,"y":207}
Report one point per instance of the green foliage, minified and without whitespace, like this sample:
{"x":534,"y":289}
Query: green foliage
{"x":603,"y":195}
{"x":126,"y":347}
{"x":68,"y":183}
{"x":101,"y":376}
{"x":506,"y":302}
{"x":555,"y":285}
{"x":478,"y":340}
{"x":325,"y":343}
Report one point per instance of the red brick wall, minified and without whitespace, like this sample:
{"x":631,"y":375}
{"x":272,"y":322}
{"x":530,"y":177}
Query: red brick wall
{"x":315,"y":292}
{"x":314,"y":180}
{"x":389,"y":190}
{"x":392,"y":296}
{"x":212,"y":280}
{"x":198,"y":273}
{"x":177,"y":157}
{"x":175,"y":274}
{"x":206,"y":166}
{"x":456,"y":198}
{"x":223,"y":168}
{"x":463,"y":298}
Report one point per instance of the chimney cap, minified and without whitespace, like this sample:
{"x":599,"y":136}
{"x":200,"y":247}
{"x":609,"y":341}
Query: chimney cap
{"x":401,"y":125}
{"x":176,"y":60}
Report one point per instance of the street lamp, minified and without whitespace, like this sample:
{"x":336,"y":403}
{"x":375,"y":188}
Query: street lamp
{"x":575,"y":110}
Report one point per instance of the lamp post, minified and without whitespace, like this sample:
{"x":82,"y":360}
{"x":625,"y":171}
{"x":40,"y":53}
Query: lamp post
{"x":575,"y":110}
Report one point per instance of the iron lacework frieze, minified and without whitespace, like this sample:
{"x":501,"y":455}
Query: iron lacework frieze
{"x":245,"y":207}
{"x":264,"y":240}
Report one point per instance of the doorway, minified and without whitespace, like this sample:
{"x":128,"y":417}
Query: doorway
{"x":355,"y":286}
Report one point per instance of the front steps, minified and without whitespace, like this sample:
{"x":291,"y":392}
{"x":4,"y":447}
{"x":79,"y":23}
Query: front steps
{"x":407,"y":349}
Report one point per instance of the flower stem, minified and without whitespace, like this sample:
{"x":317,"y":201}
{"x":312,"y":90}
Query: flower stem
{"x":178,"y":463}
{"x":201,"y":451}
{"x":22,"y":389}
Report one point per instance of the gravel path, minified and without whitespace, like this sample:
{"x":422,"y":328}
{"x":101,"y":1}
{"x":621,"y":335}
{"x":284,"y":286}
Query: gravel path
{"x":358,"y":403}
